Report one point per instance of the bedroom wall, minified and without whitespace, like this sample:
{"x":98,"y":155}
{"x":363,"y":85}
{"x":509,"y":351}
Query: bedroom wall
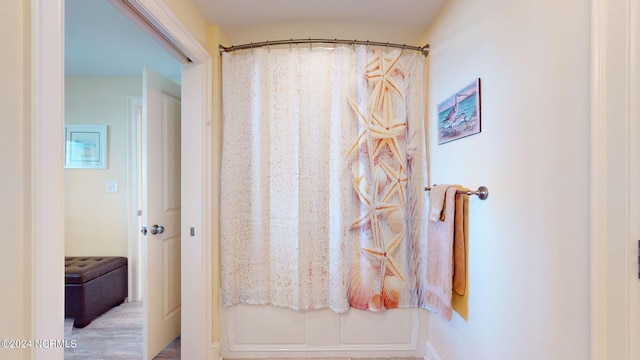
{"x":528,"y":243}
{"x":96,"y":221}
{"x":14,"y":155}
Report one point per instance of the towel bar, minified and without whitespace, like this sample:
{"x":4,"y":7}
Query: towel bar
{"x":482,"y":192}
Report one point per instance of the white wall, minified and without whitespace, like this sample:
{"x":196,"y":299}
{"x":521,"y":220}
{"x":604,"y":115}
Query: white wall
{"x":96,"y":221}
{"x":528,"y":244}
{"x":14,"y":182}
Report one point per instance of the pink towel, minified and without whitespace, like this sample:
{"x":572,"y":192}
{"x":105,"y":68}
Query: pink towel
{"x":440,"y":256}
{"x":436,"y":201}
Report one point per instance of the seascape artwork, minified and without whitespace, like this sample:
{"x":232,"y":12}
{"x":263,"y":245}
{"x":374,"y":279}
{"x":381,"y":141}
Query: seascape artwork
{"x":459,"y":115}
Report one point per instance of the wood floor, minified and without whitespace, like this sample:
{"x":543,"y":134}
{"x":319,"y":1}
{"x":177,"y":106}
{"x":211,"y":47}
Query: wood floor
{"x":117,"y":334}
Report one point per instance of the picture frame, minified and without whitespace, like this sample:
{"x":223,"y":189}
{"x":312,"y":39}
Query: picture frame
{"x":85,"y":147}
{"x":460,"y":115}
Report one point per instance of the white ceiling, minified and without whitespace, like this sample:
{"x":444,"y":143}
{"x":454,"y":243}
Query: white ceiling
{"x":100,"y":41}
{"x":246,"y":21}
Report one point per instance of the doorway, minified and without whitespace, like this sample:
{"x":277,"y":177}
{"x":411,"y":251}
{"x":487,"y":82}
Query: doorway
{"x":105,"y":55}
{"x":47,"y":252}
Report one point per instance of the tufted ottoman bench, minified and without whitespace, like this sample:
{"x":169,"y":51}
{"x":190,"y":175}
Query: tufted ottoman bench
{"x":93,"y":285}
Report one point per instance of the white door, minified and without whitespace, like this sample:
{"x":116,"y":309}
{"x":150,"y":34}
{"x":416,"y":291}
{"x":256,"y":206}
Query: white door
{"x":161,"y":211}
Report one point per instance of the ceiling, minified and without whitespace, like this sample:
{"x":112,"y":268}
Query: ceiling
{"x":100,"y":41}
{"x":246,"y":21}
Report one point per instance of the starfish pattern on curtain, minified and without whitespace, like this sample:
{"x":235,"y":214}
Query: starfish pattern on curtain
{"x":381,"y":258}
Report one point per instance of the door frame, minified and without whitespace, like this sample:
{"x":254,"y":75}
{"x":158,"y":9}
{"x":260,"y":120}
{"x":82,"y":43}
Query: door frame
{"x":634,"y":176}
{"x":136,"y":262}
{"x":46,"y":249}
{"x":615,"y":179}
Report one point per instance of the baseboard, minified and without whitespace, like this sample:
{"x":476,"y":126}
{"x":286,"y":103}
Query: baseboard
{"x":431,"y":353}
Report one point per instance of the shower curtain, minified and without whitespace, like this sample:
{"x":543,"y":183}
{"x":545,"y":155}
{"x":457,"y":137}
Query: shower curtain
{"x":323,"y":169}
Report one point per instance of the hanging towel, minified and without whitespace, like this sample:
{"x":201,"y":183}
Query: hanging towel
{"x":459,"y":259}
{"x":440,"y":258}
{"x":436,"y":201}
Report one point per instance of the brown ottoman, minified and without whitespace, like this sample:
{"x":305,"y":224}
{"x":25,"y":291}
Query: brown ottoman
{"x":93,"y":285}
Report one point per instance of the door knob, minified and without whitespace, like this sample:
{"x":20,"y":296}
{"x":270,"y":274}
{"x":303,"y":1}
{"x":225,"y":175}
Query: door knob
{"x":156,"y":229}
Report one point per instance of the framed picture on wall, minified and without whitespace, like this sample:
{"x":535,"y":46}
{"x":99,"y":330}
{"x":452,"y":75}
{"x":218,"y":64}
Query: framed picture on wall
{"x":85,"y":147}
{"x":459,"y":115}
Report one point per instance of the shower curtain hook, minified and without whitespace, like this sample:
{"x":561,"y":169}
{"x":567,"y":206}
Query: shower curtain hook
{"x":335,"y":40}
{"x":310,"y":47}
{"x":251,"y":48}
{"x":268,"y":47}
{"x":353,"y":44}
{"x":290,"y":44}
{"x":403,"y":48}
{"x":387,"y":50}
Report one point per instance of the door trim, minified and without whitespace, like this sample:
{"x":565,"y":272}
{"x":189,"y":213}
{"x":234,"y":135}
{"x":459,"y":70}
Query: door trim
{"x":598,"y":180}
{"x":634,"y":173}
{"x":46,"y":251}
{"x":136,"y":263}
{"x":614,"y":179}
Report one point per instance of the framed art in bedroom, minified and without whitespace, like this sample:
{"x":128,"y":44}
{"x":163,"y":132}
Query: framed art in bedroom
{"x":85,"y":147}
{"x":459,"y":115}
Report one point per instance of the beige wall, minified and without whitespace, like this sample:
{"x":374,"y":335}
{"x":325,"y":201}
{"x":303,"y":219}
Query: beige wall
{"x":96,"y":221}
{"x":528,"y":244}
{"x":14,"y":208}
{"x":216,"y":38}
{"x":191,"y":18}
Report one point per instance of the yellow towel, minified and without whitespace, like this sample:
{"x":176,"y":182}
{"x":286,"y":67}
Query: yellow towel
{"x":459,"y":258}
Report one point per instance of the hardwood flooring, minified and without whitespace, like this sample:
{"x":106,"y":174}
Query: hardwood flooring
{"x":172,"y":351}
{"x":116,"y":334}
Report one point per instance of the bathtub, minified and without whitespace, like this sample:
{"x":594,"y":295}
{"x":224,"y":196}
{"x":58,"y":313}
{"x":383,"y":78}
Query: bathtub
{"x":271,"y":332}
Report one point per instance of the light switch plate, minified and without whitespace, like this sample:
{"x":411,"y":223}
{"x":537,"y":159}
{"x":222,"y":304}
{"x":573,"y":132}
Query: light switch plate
{"x":111,"y":186}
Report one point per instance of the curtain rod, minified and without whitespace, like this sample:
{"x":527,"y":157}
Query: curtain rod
{"x":424,"y":49}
